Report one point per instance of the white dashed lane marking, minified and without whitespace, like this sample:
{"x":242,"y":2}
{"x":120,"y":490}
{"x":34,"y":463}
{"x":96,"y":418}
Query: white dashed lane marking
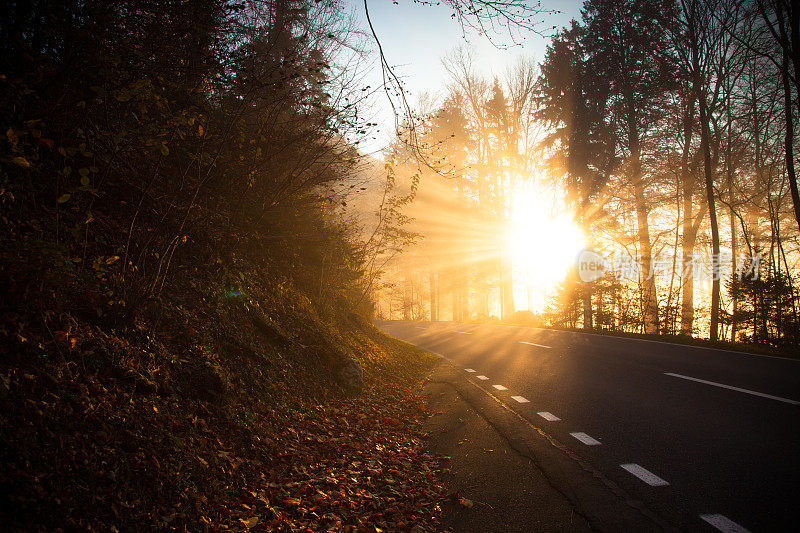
{"x":464,"y":332}
{"x":722,"y":385}
{"x":534,"y":344}
{"x":550,"y":417}
{"x":645,"y":475}
{"x":718,"y":521}
{"x":586,"y":439}
{"x":723,"y":523}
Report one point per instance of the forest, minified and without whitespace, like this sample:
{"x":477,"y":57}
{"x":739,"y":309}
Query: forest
{"x":185,"y":324}
{"x":658,"y":134}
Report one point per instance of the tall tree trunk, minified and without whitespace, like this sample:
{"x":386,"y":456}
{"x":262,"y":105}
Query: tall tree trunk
{"x":688,"y":240}
{"x":407,"y":299}
{"x":279,"y":32}
{"x":689,"y":232}
{"x":588,"y":324}
{"x":411,"y":301}
{"x":670,"y":321}
{"x":508,"y":286}
{"x":438,"y":295}
{"x":789,"y":46}
{"x":734,"y":266}
{"x":705,"y":146}
{"x":482,"y":292}
{"x":789,"y":135}
{"x":454,"y":284}
{"x":463,"y":299}
{"x":732,"y":216}
{"x":433,"y":297}
{"x":793,"y":16}
{"x":650,"y":297}
{"x":789,"y":280}
{"x":698,"y":81}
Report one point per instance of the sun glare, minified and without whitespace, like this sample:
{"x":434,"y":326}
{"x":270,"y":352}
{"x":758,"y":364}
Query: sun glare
{"x":544,"y":242}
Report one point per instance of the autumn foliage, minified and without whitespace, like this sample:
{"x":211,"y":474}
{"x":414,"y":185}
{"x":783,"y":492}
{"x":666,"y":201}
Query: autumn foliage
{"x":179,"y":289}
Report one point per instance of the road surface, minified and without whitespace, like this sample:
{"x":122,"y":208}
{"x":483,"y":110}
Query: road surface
{"x":707,"y":438}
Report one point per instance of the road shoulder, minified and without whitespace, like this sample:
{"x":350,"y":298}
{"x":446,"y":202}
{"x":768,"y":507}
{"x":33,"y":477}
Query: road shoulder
{"x":507,"y":475}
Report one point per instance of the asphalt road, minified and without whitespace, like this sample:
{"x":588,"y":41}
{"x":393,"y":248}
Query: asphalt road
{"x":708,"y":439}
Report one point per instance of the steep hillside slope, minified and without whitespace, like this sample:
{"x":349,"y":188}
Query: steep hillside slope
{"x":232,"y":403}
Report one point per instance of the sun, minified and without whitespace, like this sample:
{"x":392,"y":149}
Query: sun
{"x":544,"y":241}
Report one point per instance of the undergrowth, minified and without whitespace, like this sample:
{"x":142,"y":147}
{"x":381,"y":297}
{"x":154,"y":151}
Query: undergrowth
{"x":216,"y":407}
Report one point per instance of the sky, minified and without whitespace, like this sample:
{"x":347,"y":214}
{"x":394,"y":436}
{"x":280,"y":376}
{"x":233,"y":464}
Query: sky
{"x":415,"y":37}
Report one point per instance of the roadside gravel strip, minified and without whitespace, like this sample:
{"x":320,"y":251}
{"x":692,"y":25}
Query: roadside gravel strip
{"x":506,"y":474}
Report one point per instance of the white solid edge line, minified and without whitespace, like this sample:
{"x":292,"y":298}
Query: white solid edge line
{"x":550,"y":417}
{"x":793,"y":359}
{"x":645,"y":475}
{"x":483,"y":378}
{"x":469,"y":370}
{"x":520,"y":399}
{"x":722,"y":385}
{"x":534,"y":344}
{"x":464,"y":332}
{"x":723,"y":523}
{"x":586,"y":439}
{"x":499,"y":387}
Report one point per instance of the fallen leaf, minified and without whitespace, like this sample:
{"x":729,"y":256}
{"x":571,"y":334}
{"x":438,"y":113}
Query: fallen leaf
{"x":21,"y":161}
{"x":250,"y":522}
